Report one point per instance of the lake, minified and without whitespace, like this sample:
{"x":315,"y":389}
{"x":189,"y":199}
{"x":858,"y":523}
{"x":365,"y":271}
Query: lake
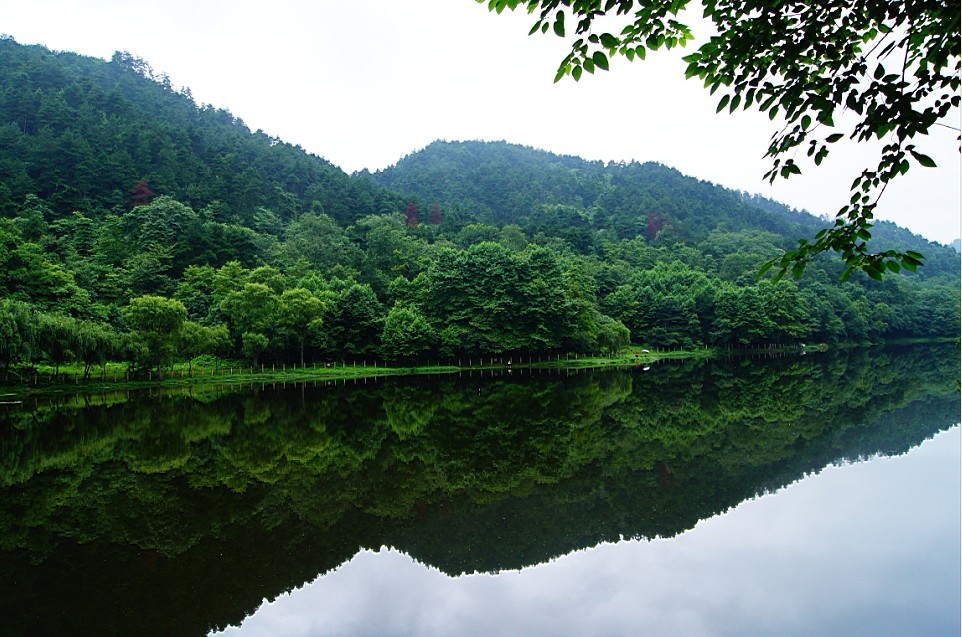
{"x":784,"y":495}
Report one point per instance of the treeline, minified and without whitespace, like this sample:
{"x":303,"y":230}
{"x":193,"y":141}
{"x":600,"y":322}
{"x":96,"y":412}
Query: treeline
{"x":149,"y":287}
{"x":495,"y":297}
{"x":174,"y":231}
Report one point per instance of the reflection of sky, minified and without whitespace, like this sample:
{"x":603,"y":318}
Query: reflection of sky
{"x":865,"y":549}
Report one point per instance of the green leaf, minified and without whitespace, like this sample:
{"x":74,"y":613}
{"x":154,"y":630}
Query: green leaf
{"x":831,"y":139}
{"x":609,"y":41}
{"x":600,"y":60}
{"x":559,"y":24}
{"x":924,"y":160}
{"x":723,"y":103}
{"x":791,"y":168}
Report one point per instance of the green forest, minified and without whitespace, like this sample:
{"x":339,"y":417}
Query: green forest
{"x":137,"y":225}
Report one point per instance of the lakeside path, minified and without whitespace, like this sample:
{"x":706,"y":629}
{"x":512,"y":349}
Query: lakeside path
{"x":71,"y":384}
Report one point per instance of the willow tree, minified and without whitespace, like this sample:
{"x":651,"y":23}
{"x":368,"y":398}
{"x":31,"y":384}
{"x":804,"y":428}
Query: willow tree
{"x":155,"y":322}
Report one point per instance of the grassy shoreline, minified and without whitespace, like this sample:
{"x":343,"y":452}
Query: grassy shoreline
{"x":70,"y":380}
{"x":204,"y":373}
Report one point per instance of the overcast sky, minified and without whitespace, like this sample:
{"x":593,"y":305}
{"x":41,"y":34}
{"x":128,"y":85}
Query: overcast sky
{"x":365,"y":82}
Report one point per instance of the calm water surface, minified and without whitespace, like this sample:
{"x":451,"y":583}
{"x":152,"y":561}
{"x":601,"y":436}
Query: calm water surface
{"x":868,"y":549}
{"x":793,"y":496}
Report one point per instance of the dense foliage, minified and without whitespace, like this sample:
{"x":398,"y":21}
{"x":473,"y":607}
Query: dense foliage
{"x":136,"y":225}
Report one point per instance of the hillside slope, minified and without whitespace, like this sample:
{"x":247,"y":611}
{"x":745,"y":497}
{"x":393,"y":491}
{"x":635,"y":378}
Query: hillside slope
{"x":502,"y":183}
{"x":80,"y":133}
{"x":507,"y":183}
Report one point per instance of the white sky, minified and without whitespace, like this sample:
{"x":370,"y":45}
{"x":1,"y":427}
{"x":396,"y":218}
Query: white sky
{"x":365,"y":82}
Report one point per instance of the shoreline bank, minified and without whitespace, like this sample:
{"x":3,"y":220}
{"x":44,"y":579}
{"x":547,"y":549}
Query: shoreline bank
{"x":69,"y":380}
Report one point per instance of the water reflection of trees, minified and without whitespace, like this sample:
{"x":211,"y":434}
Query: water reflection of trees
{"x":210,"y":502}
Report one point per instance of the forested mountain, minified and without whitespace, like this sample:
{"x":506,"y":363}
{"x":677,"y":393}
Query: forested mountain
{"x":80,"y":133}
{"x":501,"y":183}
{"x":138,"y":225}
{"x":504,"y":183}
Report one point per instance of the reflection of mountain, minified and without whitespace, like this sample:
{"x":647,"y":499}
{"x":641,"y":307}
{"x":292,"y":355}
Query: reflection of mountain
{"x":178,"y":515}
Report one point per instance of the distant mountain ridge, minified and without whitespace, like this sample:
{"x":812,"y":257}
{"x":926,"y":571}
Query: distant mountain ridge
{"x":506,"y":183}
{"x":80,"y":132}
